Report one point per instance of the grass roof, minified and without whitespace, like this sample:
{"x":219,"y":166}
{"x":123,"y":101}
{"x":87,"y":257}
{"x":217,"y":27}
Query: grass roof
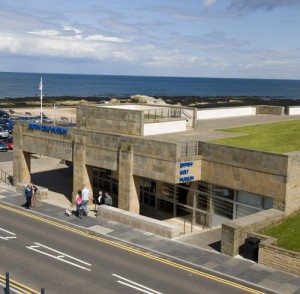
{"x":278,"y":137}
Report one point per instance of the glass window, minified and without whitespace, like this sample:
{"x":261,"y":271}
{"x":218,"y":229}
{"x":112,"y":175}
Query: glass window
{"x":223,"y":192}
{"x":267,"y":203}
{"x":242,"y":210}
{"x":204,"y":187}
{"x":249,"y":198}
{"x":202,"y":201}
{"x":222,"y":208}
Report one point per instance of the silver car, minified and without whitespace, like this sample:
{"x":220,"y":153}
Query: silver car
{"x":3,"y":134}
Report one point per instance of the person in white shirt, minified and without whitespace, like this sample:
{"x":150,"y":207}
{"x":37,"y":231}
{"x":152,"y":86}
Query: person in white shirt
{"x":85,"y":193}
{"x":100,"y":198}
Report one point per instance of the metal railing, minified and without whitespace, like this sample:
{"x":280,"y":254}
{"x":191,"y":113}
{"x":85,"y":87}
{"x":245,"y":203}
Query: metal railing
{"x":15,"y":287}
{"x":189,"y":148}
{"x":159,"y":113}
{"x":6,"y":177}
{"x":65,"y":121}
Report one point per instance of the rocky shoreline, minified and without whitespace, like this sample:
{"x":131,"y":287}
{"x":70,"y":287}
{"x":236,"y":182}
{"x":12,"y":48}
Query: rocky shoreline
{"x":192,"y":101}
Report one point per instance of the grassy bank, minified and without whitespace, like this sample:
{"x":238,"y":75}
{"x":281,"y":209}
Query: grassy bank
{"x":287,"y":233}
{"x":279,"y":137}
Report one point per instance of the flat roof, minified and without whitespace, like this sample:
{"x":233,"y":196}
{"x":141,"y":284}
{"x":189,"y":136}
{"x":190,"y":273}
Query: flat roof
{"x":208,"y":130}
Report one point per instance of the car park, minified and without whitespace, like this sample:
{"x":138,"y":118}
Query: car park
{"x":3,"y":134}
{"x":3,"y":147}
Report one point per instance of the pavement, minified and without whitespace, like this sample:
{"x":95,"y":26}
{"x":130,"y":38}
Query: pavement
{"x":189,"y":249}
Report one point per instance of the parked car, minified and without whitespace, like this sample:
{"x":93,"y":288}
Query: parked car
{"x":9,"y":143}
{"x":4,"y":114}
{"x":6,"y":121}
{"x":3,"y":134}
{"x":7,"y":128}
{"x":3,"y":147}
{"x":45,"y":118}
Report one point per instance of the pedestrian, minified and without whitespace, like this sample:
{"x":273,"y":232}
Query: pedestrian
{"x":78,"y":202}
{"x":100,"y":198}
{"x":85,"y":193}
{"x":108,"y":199}
{"x":33,"y":198}
{"x":28,"y":194}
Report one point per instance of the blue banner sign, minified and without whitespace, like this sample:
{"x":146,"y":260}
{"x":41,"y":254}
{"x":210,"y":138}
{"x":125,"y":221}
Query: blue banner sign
{"x":184,"y":171}
{"x":48,"y":129}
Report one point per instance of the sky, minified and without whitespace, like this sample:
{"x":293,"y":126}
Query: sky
{"x":191,"y":38}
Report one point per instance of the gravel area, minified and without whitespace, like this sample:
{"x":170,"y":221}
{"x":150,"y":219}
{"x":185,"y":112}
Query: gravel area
{"x":59,"y":112}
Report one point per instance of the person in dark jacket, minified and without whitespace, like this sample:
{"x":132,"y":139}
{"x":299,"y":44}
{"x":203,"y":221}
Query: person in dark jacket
{"x":28,"y":194}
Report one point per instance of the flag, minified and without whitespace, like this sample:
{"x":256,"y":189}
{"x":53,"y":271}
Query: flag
{"x":41,"y":85}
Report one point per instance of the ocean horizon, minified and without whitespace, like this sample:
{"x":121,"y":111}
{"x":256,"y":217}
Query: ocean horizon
{"x":23,"y":85}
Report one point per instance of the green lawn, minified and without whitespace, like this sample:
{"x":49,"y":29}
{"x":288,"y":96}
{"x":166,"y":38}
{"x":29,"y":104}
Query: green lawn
{"x":288,"y":233}
{"x":279,"y":137}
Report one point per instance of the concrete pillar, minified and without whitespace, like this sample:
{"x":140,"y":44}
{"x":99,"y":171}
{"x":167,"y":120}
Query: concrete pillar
{"x":82,"y":173}
{"x":129,"y":185}
{"x":21,"y":159}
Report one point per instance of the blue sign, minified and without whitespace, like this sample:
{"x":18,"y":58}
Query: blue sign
{"x":48,"y":129}
{"x":186,"y":179}
{"x":186,"y":164}
{"x":185,"y":171}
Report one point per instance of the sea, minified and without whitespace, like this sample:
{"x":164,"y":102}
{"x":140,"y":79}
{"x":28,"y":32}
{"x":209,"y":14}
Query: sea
{"x":23,"y":85}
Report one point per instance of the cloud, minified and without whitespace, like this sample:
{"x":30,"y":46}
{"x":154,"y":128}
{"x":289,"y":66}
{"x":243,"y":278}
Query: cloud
{"x":208,"y":3}
{"x":75,"y":35}
{"x":105,"y":39}
{"x":76,"y":31}
{"x":45,"y":33}
{"x":249,"y":5}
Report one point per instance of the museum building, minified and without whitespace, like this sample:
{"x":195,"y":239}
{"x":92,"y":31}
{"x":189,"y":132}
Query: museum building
{"x":160,"y":157}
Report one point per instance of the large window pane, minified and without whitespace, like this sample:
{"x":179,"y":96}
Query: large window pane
{"x":223,"y":192}
{"x":223,"y":208}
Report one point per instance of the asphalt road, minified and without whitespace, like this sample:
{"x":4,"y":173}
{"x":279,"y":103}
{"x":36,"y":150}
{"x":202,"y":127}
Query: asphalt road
{"x":42,"y":253}
{"x":6,"y":156}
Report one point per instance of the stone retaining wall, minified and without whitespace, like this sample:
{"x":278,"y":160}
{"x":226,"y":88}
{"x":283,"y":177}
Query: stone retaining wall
{"x":278,"y":258}
{"x":236,"y":231}
{"x":269,"y":109}
{"x":41,"y":193}
{"x":138,"y":221}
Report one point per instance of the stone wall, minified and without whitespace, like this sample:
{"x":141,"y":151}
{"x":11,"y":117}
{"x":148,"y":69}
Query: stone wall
{"x":269,"y":109}
{"x":293,"y":184}
{"x":49,"y":144}
{"x":152,"y":159}
{"x":118,"y":121}
{"x":278,"y":258}
{"x":41,"y":193}
{"x":257,"y":172}
{"x":236,"y":231}
{"x":138,"y":221}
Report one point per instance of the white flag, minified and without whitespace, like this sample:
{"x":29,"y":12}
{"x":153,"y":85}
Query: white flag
{"x":41,"y":85}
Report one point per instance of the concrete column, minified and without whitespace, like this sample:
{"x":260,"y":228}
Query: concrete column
{"x":129,"y":185}
{"x":82,"y":173}
{"x":21,"y":159}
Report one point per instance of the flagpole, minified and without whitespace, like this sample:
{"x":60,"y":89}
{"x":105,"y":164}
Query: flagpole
{"x":41,"y":89}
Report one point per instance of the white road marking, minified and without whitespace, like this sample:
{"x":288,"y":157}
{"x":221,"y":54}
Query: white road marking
{"x":8,"y":237}
{"x":135,"y":285}
{"x":61,"y":257}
